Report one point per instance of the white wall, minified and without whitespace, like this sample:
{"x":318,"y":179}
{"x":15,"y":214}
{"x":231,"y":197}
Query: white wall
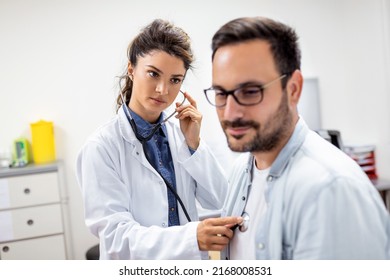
{"x":58,"y":60}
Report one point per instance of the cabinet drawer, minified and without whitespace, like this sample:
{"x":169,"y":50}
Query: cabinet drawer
{"x":29,"y":190}
{"x":30,"y":222}
{"x":45,"y":248}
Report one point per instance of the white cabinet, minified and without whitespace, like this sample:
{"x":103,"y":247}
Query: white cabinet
{"x":33,"y":213}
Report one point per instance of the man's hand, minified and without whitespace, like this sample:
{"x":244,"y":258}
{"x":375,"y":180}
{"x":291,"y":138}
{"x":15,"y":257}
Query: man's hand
{"x":215,"y":233}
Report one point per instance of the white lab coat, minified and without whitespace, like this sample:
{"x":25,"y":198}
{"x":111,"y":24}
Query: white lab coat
{"x":125,"y":199}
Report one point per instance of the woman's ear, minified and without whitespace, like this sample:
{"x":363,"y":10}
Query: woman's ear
{"x":294,"y":87}
{"x":130,"y":70}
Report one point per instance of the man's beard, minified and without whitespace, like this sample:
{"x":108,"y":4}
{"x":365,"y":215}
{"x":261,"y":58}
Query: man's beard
{"x":268,"y":136}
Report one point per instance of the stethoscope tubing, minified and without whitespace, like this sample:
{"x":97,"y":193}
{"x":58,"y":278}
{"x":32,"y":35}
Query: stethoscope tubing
{"x":143,"y":141}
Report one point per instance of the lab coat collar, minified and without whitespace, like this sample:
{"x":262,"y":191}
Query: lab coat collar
{"x":125,"y":128}
{"x":128,"y":135}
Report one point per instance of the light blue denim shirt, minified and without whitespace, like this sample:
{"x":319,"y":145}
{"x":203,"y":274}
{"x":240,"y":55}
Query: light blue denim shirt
{"x":321,"y":205}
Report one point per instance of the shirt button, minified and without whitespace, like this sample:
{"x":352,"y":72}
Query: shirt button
{"x":260,"y":246}
{"x":270,"y":178}
{"x":172,"y":209}
{"x":243,"y":198}
{"x":163,"y":224}
{"x":161,"y":182}
{"x":137,"y":153}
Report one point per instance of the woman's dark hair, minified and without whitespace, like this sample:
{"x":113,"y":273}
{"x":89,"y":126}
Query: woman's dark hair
{"x":160,"y":35}
{"x":282,"y":39}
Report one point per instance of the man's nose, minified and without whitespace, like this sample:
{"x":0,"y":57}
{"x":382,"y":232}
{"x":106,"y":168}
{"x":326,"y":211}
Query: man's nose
{"x":233,"y":110}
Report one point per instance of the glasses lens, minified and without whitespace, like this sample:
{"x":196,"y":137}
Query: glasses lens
{"x":219,"y":97}
{"x":211,"y":96}
{"x":249,"y":95}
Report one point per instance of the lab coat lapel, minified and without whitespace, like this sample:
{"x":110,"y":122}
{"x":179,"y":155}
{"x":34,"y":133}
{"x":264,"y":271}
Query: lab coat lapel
{"x":130,"y":138}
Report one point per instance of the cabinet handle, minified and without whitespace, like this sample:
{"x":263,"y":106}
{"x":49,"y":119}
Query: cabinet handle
{"x":30,"y":222}
{"x":5,"y":249}
{"x":26,"y":190}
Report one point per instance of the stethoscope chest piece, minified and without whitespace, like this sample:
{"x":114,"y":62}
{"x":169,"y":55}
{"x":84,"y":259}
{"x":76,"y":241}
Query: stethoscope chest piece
{"x":245,"y":223}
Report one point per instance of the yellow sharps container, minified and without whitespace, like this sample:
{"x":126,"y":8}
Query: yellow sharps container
{"x":43,"y":147}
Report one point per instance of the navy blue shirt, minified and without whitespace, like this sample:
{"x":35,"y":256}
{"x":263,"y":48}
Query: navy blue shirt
{"x":159,"y":154}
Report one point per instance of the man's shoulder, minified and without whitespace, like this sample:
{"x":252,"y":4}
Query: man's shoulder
{"x":318,"y":156}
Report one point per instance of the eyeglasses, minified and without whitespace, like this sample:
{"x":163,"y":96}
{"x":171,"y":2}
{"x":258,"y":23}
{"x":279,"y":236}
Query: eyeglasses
{"x":247,"y":95}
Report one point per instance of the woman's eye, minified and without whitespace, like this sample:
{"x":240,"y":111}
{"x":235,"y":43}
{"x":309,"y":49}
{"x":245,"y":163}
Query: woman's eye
{"x":176,"y":81}
{"x":153,"y":74}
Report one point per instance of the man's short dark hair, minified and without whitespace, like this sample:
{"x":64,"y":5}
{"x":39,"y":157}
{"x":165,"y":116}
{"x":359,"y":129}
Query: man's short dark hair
{"x":282,"y":39}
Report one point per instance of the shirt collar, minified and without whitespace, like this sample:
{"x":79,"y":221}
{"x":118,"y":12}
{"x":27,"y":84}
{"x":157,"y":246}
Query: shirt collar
{"x":144,"y":127}
{"x":292,"y":146}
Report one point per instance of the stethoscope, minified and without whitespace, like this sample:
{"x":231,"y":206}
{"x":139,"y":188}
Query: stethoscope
{"x":143,"y":141}
{"x":141,"y":138}
{"x":243,"y":226}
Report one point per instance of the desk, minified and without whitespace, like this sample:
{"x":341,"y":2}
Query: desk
{"x":383,"y":187}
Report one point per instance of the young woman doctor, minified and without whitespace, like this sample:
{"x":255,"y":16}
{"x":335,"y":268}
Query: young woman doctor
{"x":141,"y":173}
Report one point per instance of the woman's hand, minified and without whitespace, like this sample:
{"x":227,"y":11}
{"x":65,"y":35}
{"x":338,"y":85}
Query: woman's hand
{"x":214,"y":234}
{"x":190,"y":121}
